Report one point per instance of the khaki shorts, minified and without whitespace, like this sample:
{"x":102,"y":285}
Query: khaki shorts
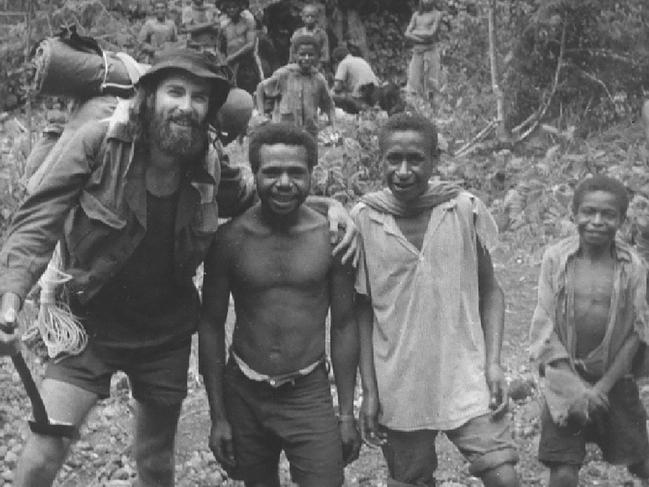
{"x":157,"y":375}
{"x":411,"y":457}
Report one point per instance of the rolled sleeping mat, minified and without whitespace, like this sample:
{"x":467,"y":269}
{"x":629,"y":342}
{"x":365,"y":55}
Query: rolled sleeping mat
{"x":65,"y":68}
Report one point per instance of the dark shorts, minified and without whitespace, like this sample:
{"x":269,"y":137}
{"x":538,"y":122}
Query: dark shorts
{"x":157,"y":375}
{"x":621,"y":433}
{"x":296,"y":417}
{"x":412,"y":460}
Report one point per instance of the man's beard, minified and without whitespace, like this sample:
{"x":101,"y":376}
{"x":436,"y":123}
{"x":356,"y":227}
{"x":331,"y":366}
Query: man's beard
{"x":184,"y":142}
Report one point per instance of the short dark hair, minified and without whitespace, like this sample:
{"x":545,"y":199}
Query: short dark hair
{"x":306,"y":40}
{"x":281,"y":133}
{"x":406,"y":121}
{"x":339,"y":53}
{"x":600,"y":182}
{"x":242,"y":5}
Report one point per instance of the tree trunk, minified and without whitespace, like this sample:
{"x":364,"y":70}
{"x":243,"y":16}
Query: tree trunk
{"x":493,"y":58}
{"x":28,"y":98}
{"x":356,"y":32}
{"x":348,"y":28}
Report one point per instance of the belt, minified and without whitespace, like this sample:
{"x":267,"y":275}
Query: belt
{"x":274,"y":380}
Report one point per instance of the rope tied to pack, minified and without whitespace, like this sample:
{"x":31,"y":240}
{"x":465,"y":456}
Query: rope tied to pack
{"x":61,"y":331}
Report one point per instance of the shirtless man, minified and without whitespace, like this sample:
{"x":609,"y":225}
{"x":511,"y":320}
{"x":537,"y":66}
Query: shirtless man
{"x":239,"y":45}
{"x":157,"y":32}
{"x":589,"y":322}
{"x":274,"y":393}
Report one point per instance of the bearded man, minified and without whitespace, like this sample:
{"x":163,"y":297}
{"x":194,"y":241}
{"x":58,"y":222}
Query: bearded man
{"x":135,"y":203}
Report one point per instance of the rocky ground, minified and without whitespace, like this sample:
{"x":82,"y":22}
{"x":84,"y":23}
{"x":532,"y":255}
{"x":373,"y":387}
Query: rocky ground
{"x":102,"y":457}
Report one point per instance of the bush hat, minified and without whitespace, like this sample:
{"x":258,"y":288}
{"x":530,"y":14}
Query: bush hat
{"x":199,"y":64}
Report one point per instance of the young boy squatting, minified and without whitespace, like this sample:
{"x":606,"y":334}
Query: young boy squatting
{"x":299,"y":89}
{"x":589,"y":322}
{"x":274,"y":394}
{"x":430,"y":315}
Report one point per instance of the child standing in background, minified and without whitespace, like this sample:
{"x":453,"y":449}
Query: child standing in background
{"x":425,"y":65}
{"x":298,"y":89}
{"x":310,"y":19}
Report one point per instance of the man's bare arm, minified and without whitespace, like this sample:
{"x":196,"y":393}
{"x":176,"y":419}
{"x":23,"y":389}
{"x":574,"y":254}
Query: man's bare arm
{"x":492,"y":316}
{"x":344,"y":335}
{"x":344,"y":354}
{"x":144,"y":39}
{"x":370,"y":406}
{"x":211,"y":341}
{"x":348,"y":246}
{"x":260,"y":98}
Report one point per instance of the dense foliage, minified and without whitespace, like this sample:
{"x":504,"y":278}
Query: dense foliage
{"x":585,"y":63}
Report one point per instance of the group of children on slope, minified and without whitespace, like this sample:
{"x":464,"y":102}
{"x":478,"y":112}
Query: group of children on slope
{"x":299,"y":89}
{"x":422,"y":315}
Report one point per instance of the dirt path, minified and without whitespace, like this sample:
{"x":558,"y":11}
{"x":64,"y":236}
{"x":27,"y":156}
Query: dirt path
{"x":103,"y":457}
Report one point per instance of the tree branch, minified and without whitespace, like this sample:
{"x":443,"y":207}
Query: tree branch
{"x":535,"y":119}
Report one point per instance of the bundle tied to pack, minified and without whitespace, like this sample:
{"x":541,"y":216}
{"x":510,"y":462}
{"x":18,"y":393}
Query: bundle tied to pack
{"x":61,"y":331}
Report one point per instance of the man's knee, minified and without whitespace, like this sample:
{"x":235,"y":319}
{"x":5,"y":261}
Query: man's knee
{"x":501,"y":476}
{"x":40,"y":460}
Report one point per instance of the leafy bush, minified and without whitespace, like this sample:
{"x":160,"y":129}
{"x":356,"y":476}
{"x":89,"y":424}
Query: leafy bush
{"x":605,"y":59}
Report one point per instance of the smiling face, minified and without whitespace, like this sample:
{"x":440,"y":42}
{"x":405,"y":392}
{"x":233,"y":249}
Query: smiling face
{"x":306,"y":57}
{"x":283,"y":178}
{"x":408,"y":163}
{"x":180,"y":109}
{"x":598,"y":218}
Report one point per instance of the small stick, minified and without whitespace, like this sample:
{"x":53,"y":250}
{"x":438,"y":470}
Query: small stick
{"x":28,"y":101}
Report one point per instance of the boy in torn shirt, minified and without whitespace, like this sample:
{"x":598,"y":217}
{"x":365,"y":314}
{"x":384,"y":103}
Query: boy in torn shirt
{"x":589,"y":323}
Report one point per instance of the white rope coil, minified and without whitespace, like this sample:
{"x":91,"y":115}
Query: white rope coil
{"x":61,"y":331}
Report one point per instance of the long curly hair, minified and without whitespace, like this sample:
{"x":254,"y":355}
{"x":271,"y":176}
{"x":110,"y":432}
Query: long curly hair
{"x":140,"y":113}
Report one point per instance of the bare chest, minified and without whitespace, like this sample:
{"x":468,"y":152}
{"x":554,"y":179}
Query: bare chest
{"x":297,"y":262}
{"x":593,"y":284}
{"x":593,"y":291}
{"x":236,"y":32}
